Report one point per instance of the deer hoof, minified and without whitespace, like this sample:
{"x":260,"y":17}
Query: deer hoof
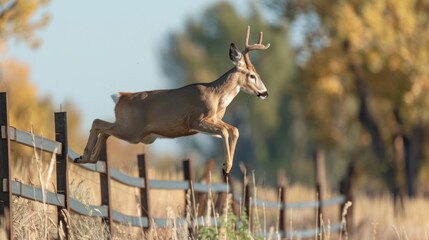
{"x":225,"y":174}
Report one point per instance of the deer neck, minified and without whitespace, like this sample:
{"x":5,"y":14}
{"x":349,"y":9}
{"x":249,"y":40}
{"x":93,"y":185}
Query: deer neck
{"x":226,"y":84}
{"x":226,"y":87}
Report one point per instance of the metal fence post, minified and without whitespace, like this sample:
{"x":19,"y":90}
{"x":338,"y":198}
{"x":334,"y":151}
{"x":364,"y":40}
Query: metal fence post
{"x":5,"y":169}
{"x":282,"y":211}
{"x":319,"y":197}
{"x":105,"y":189}
{"x":202,"y":197}
{"x":144,"y":193}
{"x":188,"y":176}
{"x":62,"y":168}
{"x":248,"y":202}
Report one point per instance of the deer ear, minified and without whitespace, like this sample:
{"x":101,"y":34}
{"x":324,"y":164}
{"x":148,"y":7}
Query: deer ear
{"x":235,"y":54}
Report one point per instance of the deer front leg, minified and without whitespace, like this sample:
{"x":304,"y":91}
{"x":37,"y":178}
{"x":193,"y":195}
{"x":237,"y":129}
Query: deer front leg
{"x":217,"y":128}
{"x":233,"y":137}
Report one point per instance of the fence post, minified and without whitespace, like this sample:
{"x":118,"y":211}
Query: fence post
{"x":202,"y":197}
{"x":248,"y":202}
{"x":234,"y":204}
{"x":319,"y":196}
{"x":221,"y":199}
{"x":281,"y":177}
{"x":320,"y":180}
{"x":144,"y":193}
{"x":105,"y":187}
{"x":346,"y":189}
{"x":320,"y":170}
{"x":188,"y":176}
{"x":282,"y":210}
{"x":62,"y":168}
{"x":5,"y":169}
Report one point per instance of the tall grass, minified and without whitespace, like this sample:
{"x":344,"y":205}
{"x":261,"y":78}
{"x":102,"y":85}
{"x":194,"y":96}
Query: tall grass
{"x":374,"y":217}
{"x":34,"y":220}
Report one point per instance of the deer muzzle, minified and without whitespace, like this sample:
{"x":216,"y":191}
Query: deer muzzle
{"x":262,"y":95}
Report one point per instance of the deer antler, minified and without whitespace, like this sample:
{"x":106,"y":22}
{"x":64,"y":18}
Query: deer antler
{"x":257,"y":46}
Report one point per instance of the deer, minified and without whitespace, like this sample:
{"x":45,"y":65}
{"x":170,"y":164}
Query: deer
{"x":142,"y":117}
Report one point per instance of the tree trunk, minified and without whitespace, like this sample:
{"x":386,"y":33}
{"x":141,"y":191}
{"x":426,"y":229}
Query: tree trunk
{"x":413,"y":155}
{"x":398,"y":181}
{"x":366,"y":118}
{"x":368,"y":121}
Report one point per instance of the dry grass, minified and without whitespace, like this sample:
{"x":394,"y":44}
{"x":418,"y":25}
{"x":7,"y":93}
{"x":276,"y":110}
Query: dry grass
{"x":33,"y":220}
{"x":29,"y":220}
{"x":373,"y":217}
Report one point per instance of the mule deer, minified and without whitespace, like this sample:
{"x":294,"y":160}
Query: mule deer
{"x":195,"y":108}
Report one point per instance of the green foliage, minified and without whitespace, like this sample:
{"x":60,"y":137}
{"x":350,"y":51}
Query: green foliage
{"x":231,"y":226}
{"x":208,"y":232}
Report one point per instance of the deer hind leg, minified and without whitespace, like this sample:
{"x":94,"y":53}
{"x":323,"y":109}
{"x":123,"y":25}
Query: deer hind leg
{"x":95,"y":141}
{"x":99,"y":133}
{"x":218,"y":129}
{"x":101,"y":141}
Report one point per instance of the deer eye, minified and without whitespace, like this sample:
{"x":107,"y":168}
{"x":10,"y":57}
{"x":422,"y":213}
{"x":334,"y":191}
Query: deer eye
{"x":253,"y":77}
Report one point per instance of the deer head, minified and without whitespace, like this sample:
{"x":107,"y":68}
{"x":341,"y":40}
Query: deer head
{"x":250,"y":81}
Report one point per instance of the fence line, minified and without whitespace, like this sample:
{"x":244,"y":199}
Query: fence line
{"x":62,"y":199}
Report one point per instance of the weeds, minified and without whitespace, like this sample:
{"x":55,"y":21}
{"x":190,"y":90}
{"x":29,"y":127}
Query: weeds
{"x":230,"y":226}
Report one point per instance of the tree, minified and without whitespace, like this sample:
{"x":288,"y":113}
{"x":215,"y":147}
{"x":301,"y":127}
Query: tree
{"x":17,"y":20}
{"x":200,"y":54}
{"x":366,"y":63}
{"x":28,"y":112}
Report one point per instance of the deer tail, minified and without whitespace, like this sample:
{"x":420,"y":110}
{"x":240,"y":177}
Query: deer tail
{"x":115,"y":97}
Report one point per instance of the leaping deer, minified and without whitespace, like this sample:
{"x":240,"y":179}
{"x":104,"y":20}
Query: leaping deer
{"x":195,"y":108}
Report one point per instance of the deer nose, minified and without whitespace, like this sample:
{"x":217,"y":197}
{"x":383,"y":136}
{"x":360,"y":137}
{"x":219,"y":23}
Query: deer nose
{"x":263,"y":95}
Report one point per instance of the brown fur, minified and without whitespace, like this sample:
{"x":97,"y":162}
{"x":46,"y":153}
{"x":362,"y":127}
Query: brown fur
{"x":146,"y":116}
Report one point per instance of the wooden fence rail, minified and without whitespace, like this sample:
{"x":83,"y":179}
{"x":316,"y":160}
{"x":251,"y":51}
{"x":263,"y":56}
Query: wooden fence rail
{"x":62,"y":199}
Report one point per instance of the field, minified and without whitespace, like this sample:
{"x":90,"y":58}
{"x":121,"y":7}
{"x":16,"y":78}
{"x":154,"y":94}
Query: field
{"x":374,"y":217}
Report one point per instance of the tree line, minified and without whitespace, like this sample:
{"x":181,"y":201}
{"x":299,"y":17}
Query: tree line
{"x":355,"y":85}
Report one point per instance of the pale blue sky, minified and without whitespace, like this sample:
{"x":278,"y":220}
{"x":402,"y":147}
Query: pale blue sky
{"x":92,"y":49}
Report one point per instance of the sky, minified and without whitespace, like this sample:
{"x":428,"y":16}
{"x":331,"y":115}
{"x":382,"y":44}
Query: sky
{"x":89,"y":53}
{"x":92,"y":49}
